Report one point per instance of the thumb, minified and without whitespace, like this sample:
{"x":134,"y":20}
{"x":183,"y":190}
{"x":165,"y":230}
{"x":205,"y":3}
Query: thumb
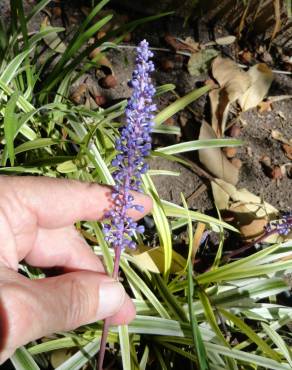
{"x":34,"y":308}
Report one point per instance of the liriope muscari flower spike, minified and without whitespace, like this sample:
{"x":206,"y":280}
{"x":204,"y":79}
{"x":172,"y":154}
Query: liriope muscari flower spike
{"x":133,"y":146}
{"x":282,"y":226}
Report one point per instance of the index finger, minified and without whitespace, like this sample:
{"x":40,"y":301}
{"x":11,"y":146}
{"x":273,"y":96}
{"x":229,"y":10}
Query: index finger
{"x":61,"y":202}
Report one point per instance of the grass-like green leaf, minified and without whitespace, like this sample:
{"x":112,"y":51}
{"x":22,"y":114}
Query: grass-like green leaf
{"x":174,"y":210}
{"x":161,"y":224}
{"x":196,"y":334}
{"x":35,"y":144}
{"x":10,"y":125}
{"x":251,"y":334}
{"x":198,"y":144}
{"x":23,"y":360}
{"x":190,"y":232}
{"x":279,"y":342}
{"x":80,"y":358}
{"x":180,"y":104}
{"x":125,"y":346}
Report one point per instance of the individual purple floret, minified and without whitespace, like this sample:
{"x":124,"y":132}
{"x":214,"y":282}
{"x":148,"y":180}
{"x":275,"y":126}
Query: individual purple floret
{"x":133,"y":145}
{"x":282,"y":226}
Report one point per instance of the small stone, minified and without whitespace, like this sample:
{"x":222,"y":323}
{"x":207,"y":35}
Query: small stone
{"x":100,"y":35}
{"x":167,"y":65}
{"x":108,"y":82}
{"x":100,"y":100}
{"x":235,"y":131}
{"x":276,"y":173}
{"x":288,"y":150}
{"x":230,"y":152}
{"x":78,"y":95}
{"x":57,"y":11}
{"x":266,"y":160}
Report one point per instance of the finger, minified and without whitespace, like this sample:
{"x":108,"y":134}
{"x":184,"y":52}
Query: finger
{"x":41,"y":307}
{"x":63,"y":247}
{"x":126,"y":313}
{"x":61,"y":202}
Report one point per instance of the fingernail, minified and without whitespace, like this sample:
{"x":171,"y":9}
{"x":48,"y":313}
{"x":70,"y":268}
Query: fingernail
{"x":111,"y":298}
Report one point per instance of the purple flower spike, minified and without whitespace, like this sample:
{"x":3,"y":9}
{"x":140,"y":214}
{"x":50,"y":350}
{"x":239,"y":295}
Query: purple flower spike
{"x":133,"y":145}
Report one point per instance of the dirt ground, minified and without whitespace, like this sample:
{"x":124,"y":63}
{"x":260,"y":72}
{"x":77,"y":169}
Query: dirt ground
{"x":255,"y":128}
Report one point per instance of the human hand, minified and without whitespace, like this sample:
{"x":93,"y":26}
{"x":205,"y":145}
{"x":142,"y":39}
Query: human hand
{"x":36,"y":225}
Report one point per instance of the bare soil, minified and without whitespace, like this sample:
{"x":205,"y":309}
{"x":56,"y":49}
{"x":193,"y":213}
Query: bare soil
{"x":255,"y":128}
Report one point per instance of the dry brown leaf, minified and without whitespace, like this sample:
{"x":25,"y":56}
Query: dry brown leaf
{"x":219,"y":108}
{"x":52,"y":40}
{"x":248,"y":223}
{"x":288,"y":151}
{"x":250,"y":213}
{"x":254,"y":229}
{"x":261,"y":77}
{"x":225,"y":40}
{"x":59,"y":356}
{"x":276,"y":98}
{"x":152,"y":259}
{"x":277,"y":135}
{"x":192,"y":44}
{"x":197,"y":238}
{"x":252,"y":202}
{"x":278,"y":23}
{"x":233,"y":84}
{"x":214,"y":159}
{"x":231,"y":77}
{"x":178,"y":44}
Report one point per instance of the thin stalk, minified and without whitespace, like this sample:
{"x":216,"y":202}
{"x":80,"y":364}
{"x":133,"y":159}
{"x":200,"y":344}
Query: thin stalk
{"x":106,"y":324}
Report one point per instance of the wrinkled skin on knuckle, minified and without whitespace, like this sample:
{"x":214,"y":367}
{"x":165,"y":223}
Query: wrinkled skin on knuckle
{"x":79,"y":306}
{"x":16,"y":219}
{"x":19,"y":310}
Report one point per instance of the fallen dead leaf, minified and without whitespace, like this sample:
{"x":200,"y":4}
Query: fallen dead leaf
{"x":277,"y":135}
{"x":219,"y":108}
{"x":197,"y":238}
{"x":276,"y":98}
{"x":278,"y":22}
{"x":249,"y":212}
{"x":214,"y":159}
{"x":52,"y":40}
{"x":152,"y":259}
{"x":249,"y":226}
{"x":231,"y":77}
{"x":59,"y":356}
{"x":178,"y":44}
{"x":233,"y":84}
{"x":261,"y":77}
{"x":192,"y":44}
{"x":288,"y":150}
{"x":226,"y":40}
{"x":252,"y":202}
